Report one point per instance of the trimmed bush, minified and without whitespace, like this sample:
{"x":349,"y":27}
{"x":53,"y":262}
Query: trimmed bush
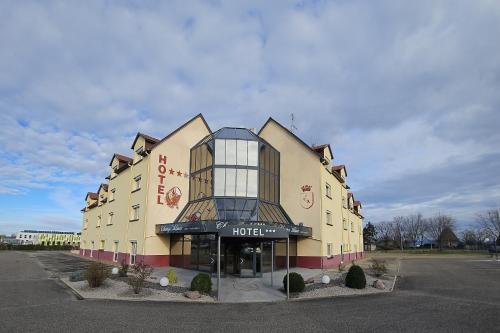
{"x":96,"y":274}
{"x":296,"y":282}
{"x":202,"y":283}
{"x":355,"y":278}
{"x":77,"y":276}
{"x":172,"y":276}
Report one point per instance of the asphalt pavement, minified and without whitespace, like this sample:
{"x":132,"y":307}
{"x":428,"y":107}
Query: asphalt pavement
{"x":432,"y":295}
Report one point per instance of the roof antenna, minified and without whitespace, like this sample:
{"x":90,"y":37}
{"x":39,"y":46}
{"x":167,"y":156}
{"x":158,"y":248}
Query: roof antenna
{"x":292,"y":126}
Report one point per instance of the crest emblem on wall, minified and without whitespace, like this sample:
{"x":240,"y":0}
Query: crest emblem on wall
{"x":306,"y":197}
{"x":173,"y":197}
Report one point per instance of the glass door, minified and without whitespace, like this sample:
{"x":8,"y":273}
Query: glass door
{"x":247,"y":254}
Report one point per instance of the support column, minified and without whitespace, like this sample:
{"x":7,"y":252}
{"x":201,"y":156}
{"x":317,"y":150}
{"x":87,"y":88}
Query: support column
{"x":288,"y":267}
{"x":272,"y":261}
{"x":218,"y":268}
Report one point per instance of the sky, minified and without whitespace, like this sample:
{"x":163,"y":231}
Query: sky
{"x":406,"y":92}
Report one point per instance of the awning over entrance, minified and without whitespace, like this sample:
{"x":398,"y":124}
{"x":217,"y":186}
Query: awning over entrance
{"x":235,"y":229}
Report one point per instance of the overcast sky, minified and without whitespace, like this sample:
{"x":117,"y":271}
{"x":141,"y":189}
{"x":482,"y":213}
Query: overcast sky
{"x":407,"y":93}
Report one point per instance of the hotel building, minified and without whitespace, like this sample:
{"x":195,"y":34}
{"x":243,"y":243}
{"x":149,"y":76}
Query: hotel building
{"x":175,"y":198}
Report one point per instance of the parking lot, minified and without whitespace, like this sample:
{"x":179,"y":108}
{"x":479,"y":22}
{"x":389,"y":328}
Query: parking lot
{"x":432,"y":295}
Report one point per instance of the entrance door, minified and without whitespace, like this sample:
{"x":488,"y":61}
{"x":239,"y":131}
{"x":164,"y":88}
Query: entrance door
{"x":243,"y":259}
{"x":247,"y":260}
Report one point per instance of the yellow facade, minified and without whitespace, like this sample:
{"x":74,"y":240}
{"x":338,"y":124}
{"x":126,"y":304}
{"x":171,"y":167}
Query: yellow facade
{"x":152,"y":187}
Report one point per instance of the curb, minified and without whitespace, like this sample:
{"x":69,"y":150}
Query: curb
{"x":396,"y":276}
{"x":73,"y":290}
{"x":304,"y":299}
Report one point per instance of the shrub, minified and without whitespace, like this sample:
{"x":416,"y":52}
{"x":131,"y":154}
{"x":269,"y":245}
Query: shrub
{"x":202,"y":283}
{"x":77,"y":276}
{"x":355,"y":278}
{"x":172,"y":276}
{"x":122,"y":271}
{"x":96,"y":274}
{"x":378,"y":267}
{"x":140,"y":272}
{"x":296,"y":282}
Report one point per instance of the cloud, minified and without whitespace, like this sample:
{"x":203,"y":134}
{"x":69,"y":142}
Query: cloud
{"x":401,"y":91}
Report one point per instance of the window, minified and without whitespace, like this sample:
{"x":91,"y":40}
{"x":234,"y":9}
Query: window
{"x":112,"y":195}
{"x":133,"y":252}
{"x":92,"y":248}
{"x":236,"y":152}
{"x":137,"y":183}
{"x":110,"y":218}
{"x":352,"y":226}
{"x":115,"y":251}
{"x":101,"y":245}
{"x":139,"y":153}
{"x":344,"y":223}
{"x":135,"y":213}
{"x":328,"y":190}
{"x":329,"y":250}
{"x":329,"y":218}
{"x":86,"y":224}
{"x":235,"y":182}
{"x":98,"y":221}
{"x":344,"y":202}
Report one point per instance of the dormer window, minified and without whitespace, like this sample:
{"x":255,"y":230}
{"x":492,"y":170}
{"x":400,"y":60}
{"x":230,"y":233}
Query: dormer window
{"x":139,"y":153}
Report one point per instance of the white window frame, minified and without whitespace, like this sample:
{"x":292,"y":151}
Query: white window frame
{"x":92,"y":245}
{"x":328,"y":190}
{"x":115,"y":251}
{"x":344,"y":203}
{"x":133,"y":252}
{"x":135,"y":212}
{"x":329,"y":217}
{"x":110,"y":218}
{"x":137,"y":183}
{"x":138,"y":152}
{"x":98,"y":221}
{"x":112,"y":195}
{"x":344,"y":223}
{"x":329,"y":252}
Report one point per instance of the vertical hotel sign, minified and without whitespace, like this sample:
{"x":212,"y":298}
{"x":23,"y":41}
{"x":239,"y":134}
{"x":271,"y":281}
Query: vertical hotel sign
{"x":172,"y":196}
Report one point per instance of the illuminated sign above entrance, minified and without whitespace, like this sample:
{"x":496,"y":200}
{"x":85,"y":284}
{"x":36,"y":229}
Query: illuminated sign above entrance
{"x":253,"y":231}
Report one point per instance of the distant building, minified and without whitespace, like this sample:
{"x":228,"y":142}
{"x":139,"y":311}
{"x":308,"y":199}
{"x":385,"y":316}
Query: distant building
{"x":9,"y":240}
{"x":49,"y":238}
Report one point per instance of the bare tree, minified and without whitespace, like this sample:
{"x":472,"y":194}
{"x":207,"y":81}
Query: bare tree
{"x":385,"y":233}
{"x":436,"y":225}
{"x":489,"y":223}
{"x":414,"y":228}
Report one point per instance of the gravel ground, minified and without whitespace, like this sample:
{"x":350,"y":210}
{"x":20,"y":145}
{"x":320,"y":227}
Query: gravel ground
{"x":336,"y":287}
{"x":115,"y":289}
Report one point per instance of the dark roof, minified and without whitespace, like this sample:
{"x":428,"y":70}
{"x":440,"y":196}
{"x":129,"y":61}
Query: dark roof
{"x":92,"y":195}
{"x":150,"y":141}
{"x":320,"y":149}
{"x":357,"y":203}
{"x":337,"y":168}
{"x":92,"y":205}
{"x":50,"y":232}
{"x":104,"y":186}
{"x":121,"y":158}
{"x":288,"y":131}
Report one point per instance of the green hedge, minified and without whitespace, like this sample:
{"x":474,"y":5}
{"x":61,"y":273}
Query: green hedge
{"x":355,"y":278}
{"x":31,"y":247}
{"x":296,"y":282}
{"x":202,"y":283}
